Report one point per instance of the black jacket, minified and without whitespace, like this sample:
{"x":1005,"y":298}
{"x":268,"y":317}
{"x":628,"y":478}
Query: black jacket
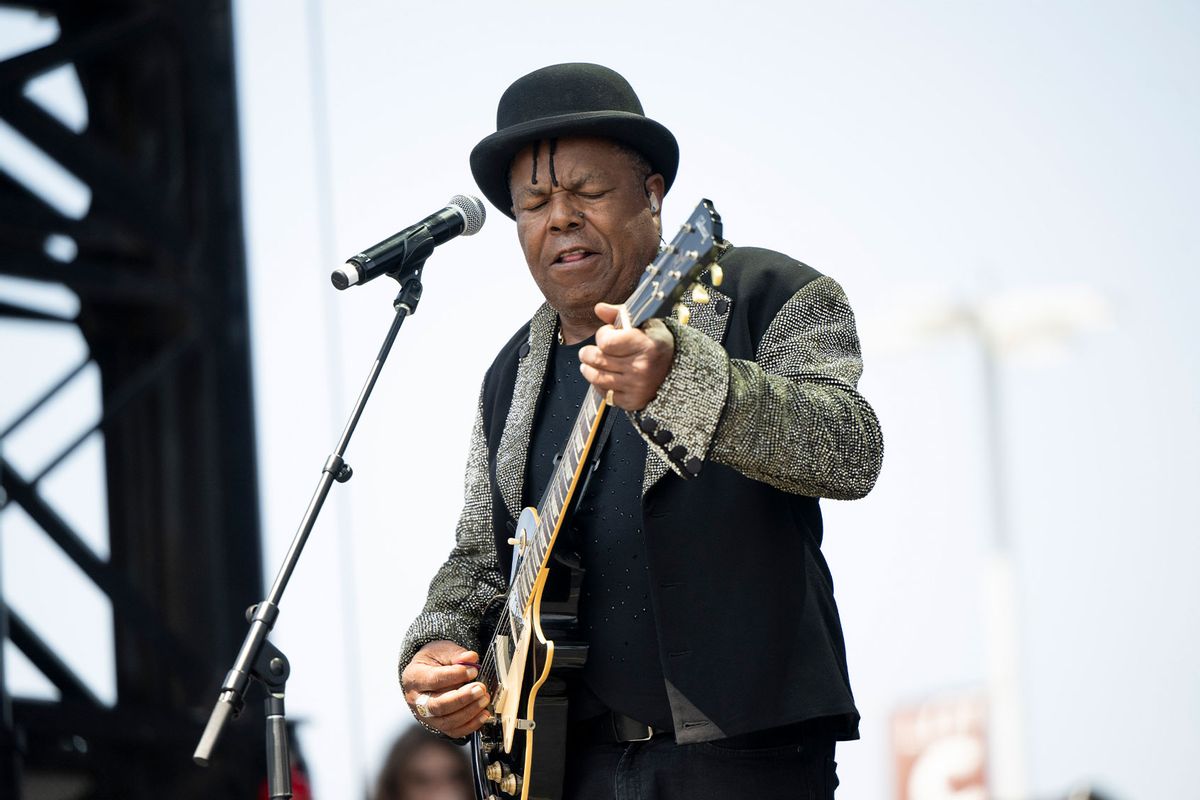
{"x":758,"y":417}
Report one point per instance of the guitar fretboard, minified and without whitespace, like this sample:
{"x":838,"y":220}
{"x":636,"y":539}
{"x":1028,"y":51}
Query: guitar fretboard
{"x":662,"y":283}
{"x":554,"y":502}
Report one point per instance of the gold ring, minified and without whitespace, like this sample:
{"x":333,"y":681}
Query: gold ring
{"x":422,"y":706}
{"x":608,"y":398}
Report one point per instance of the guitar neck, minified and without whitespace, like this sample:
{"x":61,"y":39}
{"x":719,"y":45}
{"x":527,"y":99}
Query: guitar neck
{"x":677,"y":265}
{"x":516,"y":667}
{"x":557,"y":497}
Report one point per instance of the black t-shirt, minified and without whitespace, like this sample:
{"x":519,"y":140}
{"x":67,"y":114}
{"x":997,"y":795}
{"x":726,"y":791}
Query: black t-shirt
{"x":623,"y":672}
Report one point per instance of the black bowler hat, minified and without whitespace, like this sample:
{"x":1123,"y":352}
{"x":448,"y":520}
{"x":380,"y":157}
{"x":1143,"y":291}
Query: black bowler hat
{"x":568,"y":100}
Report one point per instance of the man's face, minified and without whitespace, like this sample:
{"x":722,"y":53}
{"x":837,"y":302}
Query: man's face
{"x":588,"y":238}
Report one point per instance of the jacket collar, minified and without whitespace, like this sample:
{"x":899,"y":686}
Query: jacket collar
{"x":518,"y":427}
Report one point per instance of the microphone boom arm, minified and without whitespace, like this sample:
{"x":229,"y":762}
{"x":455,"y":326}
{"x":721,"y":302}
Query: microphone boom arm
{"x":258,"y":659}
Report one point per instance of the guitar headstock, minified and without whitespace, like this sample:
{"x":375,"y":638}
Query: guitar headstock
{"x":693,"y":250}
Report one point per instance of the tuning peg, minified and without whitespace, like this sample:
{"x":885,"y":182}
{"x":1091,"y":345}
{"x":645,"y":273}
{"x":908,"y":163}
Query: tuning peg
{"x":716,"y":274}
{"x":699,"y":294}
{"x":683,"y":312}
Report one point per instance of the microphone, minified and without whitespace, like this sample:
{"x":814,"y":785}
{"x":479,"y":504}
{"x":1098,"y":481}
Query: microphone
{"x":408,"y":249}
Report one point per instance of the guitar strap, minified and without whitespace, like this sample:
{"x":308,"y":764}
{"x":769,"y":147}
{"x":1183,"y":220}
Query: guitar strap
{"x":610,"y":416}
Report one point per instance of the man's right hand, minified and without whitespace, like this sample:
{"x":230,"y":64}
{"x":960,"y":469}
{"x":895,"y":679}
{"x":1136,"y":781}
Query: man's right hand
{"x":441,"y":670}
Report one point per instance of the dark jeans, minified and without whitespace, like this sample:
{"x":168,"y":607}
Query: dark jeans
{"x":659,"y":769}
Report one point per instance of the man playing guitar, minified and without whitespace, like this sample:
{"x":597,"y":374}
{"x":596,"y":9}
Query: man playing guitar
{"x":715,"y":663}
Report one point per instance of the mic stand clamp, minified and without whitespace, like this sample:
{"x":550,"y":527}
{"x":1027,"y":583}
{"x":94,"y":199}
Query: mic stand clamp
{"x":258,"y":659}
{"x":410,"y":290}
{"x":272,"y":670}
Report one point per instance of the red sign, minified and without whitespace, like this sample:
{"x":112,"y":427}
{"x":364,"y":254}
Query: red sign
{"x":940,"y":749}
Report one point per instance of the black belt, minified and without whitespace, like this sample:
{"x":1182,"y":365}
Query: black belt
{"x":613,"y":728}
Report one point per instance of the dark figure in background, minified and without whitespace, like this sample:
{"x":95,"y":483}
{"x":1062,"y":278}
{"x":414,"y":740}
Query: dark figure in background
{"x":716,"y":664}
{"x":421,"y":766}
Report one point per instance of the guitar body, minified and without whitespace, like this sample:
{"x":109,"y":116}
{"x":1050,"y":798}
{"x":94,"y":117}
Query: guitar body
{"x":555,"y":657}
{"x":536,"y":650}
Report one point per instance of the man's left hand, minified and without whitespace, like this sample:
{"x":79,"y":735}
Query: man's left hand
{"x":632,"y":362}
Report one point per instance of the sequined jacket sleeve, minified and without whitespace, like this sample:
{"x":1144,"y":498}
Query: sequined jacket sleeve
{"x":792,"y":417}
{"x":470,"y":577}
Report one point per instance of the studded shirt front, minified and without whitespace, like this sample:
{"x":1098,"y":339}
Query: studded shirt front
{"x":623,"y":672}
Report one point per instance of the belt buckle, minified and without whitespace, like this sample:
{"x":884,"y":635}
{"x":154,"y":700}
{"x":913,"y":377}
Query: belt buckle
{"x":620,"y":737}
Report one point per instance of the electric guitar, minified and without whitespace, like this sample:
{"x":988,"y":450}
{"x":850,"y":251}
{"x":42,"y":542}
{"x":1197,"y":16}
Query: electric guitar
{"x":520,"y":752}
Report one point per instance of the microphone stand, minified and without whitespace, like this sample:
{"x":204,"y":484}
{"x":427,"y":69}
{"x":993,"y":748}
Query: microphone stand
{"x":258,"y":659}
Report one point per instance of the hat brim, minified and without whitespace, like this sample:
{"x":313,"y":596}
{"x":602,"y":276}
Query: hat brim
{"x":492,"y":157}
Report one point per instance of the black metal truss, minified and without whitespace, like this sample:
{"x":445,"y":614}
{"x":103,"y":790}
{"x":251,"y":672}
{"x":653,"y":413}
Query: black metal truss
{"x":160,"y":276}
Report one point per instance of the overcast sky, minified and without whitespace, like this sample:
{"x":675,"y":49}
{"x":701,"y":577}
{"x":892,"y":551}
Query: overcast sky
{"x":935,"y":152}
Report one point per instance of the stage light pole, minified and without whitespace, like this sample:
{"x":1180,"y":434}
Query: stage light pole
{"x":1003,"y":326}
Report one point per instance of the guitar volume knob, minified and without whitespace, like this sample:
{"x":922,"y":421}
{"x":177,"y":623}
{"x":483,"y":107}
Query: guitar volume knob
{"x":511,"y":784}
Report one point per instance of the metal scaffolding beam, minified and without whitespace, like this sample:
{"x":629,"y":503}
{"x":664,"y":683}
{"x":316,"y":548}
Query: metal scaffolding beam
{"x":157,"y":264}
